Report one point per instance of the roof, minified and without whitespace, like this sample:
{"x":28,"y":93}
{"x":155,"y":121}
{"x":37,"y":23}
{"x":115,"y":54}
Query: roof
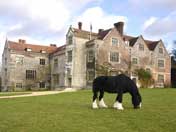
{"x":132,"y":40}
{"x":151,"y":44}
{"x":84,"y":34}
{"x":103,"y":33}
{"x":61,"y":48}
{"x":34,"y":48}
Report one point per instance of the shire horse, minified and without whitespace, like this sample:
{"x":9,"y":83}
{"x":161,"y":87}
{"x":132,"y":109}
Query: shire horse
{"x":115,"y":84}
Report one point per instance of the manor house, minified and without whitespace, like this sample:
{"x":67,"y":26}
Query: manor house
{"x":84,"y":56}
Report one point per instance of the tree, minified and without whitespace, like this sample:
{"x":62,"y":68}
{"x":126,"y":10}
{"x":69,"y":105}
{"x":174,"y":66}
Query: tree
{"x":145,"y":77}
{"x":103,"y":69}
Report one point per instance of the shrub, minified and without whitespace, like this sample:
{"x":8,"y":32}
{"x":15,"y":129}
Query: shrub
{"x":145,"y":77}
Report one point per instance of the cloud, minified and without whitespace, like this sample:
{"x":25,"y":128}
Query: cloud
{"x":149,"y":22}
{"x":98,"y":18}
{"x":161,"y":26}
{"x":154,"y":4}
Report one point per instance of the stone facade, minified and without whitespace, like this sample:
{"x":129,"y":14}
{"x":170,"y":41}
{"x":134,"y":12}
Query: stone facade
{"x":25,"y":66}
{"x":76,"y":63}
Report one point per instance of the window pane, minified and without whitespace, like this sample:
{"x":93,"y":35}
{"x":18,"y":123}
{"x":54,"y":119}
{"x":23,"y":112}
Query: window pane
{"x":161,"y":50}
{"x":30,"y":74}
{"x":114,"y":57}
{"x":114,"y":41}
{"x":69,"y":56}
{"x":141,"y":47}
{"x":90,"y":56}
{"x":134,"y":61}
{"x":160,"y":78}
{"x":161,"y":63}
{"x":42,"y":61}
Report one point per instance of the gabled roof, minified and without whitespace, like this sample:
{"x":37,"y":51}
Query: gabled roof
{"x":132,"y":40}
{"x":151,"y":44}
{"x":84,"y":34}
{"x":103,"y":33}
{"x":35,"y":48}
{"x":61,"y":48}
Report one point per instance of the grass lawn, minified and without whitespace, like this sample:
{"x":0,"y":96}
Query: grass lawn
{"x":71,"y":112}
{"x":13,"y":93}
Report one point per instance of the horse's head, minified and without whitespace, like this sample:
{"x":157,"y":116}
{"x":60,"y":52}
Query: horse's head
{"x":137,"y":101}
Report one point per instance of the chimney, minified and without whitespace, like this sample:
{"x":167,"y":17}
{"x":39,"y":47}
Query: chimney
{"x":100,"y":30}
{"x":119,"y":27}
{"x":21,"y":41}
{"x":80,"y":25}
{"x":53,"y":45}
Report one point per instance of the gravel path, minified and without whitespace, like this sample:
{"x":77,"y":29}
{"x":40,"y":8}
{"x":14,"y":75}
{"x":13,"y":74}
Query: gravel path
{"x":39,"y":93}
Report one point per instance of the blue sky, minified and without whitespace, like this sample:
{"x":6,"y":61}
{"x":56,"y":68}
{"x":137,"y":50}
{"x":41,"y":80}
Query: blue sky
{"x":47,"y":21}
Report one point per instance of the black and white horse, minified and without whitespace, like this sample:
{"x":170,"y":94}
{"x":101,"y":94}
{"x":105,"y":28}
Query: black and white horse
{"x":115,"y":84}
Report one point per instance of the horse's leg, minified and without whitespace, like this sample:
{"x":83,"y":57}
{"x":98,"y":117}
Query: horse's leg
{"x":94,"y":104}
{"x":101,"y":101}
{"x":118,"y":103}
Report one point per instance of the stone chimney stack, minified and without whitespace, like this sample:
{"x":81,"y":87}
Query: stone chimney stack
{"x":100,"y":30}
{"x":21,"y":41}
{"x":119,"y":26}
{"x":80,"y":25}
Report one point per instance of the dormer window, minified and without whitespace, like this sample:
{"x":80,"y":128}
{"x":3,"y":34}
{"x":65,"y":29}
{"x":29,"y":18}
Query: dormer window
{"x":141,"y":47}
{"x":28,"y":49}
{"x":161,"y":50}
{"x":115,"y":42}
{"x":42,"y":51}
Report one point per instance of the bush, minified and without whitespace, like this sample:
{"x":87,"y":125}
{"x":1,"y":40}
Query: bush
{"x":145,"y":77}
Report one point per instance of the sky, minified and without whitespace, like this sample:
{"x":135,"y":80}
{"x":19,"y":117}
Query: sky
{"x":47,"y":21}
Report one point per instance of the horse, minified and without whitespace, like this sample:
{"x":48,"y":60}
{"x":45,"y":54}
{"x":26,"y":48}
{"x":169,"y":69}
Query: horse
{"x":115,"y":84}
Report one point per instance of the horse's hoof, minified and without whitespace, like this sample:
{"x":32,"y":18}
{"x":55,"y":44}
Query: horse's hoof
{"x":94,"y":105}
{"x":120,"y":108}
{"x":102,"y":104}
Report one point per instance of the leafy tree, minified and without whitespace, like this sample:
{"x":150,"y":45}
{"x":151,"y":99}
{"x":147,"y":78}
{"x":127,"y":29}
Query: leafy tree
{"x":145,"y":77}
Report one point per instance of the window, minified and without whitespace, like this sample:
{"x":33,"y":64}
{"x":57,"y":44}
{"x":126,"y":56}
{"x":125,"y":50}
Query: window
{"x":91,"y":75}
{"x":55,"y":63}
{"x":127,"y":43}
{"x":19,"y":60}
{"x":5,"y":61}
{"x":56,"y":79}
{"x":114,"y":57}
{"x":161,"y":50}
{"x":69,"y":53}
{"x":141,"y":47}
{"x":90,"y":56}
{"x":42,"y":51}
{"x":30,"y":74}
{"x":5,"y":71}
{"x":68,"y":72}
{"x":70,"y":39}
{"x":115,"y":42}
{"x":148,"y":70}
{"x":160,"y":78}
{"x":134,"y":61}
{"x":19,"y":85}
{"x":161,"y":63}
{"x":42,"y":61}
{"x":42,"y":84}
{"x":28,"y":49}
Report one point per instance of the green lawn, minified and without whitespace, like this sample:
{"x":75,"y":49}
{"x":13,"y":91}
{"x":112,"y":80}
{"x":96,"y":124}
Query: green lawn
{"x":13,"y":93}
{"x":71,"y":112}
